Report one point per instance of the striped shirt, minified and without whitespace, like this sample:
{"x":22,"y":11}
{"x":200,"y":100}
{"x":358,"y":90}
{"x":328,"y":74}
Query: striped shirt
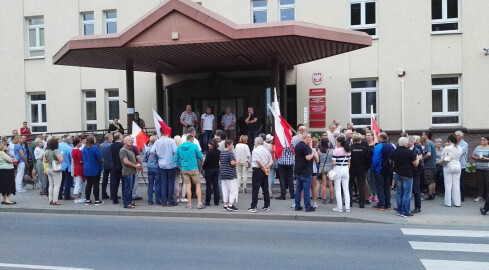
{"x":341,"y":157}
{"x":227,"y":172}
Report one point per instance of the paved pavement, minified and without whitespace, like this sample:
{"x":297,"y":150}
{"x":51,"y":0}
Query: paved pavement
{"x":83,"y":242}
{"x":433,"y":212}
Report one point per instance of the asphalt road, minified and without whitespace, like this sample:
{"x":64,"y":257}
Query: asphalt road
{"x":61,"y":242}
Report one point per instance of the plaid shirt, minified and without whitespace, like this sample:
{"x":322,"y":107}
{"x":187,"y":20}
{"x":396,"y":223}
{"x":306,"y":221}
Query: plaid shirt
{"x":188,"y":118}
{"x":287,"y":157}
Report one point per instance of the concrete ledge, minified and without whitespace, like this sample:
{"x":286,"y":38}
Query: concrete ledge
{"x":60,"y":211}
{"x":24,"y":210}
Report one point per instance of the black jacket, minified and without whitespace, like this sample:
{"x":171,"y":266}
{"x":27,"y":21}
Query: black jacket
{"x":359,"y":158}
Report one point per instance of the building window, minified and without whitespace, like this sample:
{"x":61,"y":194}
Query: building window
{"x":110,"y":21}
{"x":363,"y":16}
{"x":363,"y":98}
{"x":445,"y":15}
{"x":259,"y":11}
{"x":445,"y":101}
{"x":90,"y":110}
{"x":112,"y":104}
{"x":87,"y":23}
{"x":287,"y":10}
{"x":35,"y":35}
{"x":39,"y":121}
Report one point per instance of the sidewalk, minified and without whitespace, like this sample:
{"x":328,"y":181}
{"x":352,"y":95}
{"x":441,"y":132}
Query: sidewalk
{"x":433,"y":212}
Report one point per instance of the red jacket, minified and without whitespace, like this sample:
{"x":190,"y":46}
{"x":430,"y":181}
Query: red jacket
{"x":76,"y":155}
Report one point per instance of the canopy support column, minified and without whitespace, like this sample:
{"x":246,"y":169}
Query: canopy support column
{"x":160,"y":97}
{"x":283,"y":95}
{"x":130,"y":94}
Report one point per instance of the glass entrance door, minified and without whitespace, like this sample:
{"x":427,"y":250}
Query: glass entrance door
{"x":218,"y":107}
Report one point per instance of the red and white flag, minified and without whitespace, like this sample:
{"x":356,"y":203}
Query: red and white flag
{"x":140,"y":137}
{"x":374,"y":125}
{"x":283,"y":133}
{"x":161,"y":125}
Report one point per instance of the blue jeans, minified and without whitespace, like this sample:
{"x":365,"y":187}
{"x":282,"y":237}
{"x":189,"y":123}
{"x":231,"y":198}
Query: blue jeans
{"x":383,"y":184}
{"x":154,"y":183}
{"x":303,"y":183}
{"x":207,"y":139}
{"x":67,"y":182}
{"x":371,"y":183}
{"x":167,"y":186}
{"x":404,"y":189}
{"x":128,"y":185}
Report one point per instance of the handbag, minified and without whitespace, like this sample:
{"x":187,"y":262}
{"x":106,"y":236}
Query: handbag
{"x":322,"y":169}
{"x":55,"y":165}
{"x":332,"y":174}
{"x":446,"y":158}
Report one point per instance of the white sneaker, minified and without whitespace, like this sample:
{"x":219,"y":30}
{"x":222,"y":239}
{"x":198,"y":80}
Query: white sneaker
{"x":183,"y":200}
{"x":315,"y":205}
{"x":178,"y":200}
{"x":336,"y":209}
{"x":347,"y":210}
{"x":478,"y":199}
{"x":80,"y":201}
{"x":292,"y":206}
{"x":22,"y":190}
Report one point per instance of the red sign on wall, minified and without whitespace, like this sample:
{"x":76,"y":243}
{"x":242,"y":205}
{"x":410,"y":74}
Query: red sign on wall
{"x":317,"y":101}
{"x":317,"y":124}
{"x":317,"y":91}
{"x":317,"y":116}
{"x":317,"y":109}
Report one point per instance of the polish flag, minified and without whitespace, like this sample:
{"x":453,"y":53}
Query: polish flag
{"x":140,"y":137}
{"x":282,"y":129}
{"x":160,"y":124}
{"x":374,"y":125}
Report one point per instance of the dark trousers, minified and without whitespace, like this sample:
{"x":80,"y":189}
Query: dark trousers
{"x":251,"y":138}
{"x":167,"y":186}
{"x":462,"y":184}
{"x":93,"y":181}
{"x":383,"y":184}
{"x":67,"y":183}
{"x":115,"y":179}
{"x":360,"y":176}
{"x":207,"y":138}
{"x":259,"y":179}
{"x":105,"y":181}
{"x":482,"y":183}
{"x":286,"y":177}
{"x":439,"y":179}
{"x":417,"y":191}
{"x":212,"y":186}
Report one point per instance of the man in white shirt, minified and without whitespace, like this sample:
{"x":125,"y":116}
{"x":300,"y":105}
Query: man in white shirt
{"x":191,"y":131}
{"x":261,"y":161}
{"x":207,"y":127}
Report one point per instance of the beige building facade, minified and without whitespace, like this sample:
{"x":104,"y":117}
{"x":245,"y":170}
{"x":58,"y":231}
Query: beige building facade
{"x":436,"y":46}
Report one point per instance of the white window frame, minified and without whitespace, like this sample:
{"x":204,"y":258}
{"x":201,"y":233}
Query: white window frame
{"x":106,"y":20}
{"x":39,"y":104}
{"x":107,"y":99}
{"x":444,"y":19}
{"x":85,"y":100}
{"x":253,"y":9}
{"x":364,"y":92}
{"x":38,"y":46}
{"x":445,"y":113}
{"x":87,"y":22}
{"x":363,"y":16}
{"x":289,"y":6}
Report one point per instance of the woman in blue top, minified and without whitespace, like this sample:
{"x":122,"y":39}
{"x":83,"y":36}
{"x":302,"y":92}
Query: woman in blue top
{"x":154,"y":179}
{"x":92,"y":165}
{"x":21,"y":158}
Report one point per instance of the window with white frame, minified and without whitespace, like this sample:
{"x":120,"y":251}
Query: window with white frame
{"x":363,"y":99}
{"x":112,"y":104}
{"x":38,"y":113}
{"x":90,"y":110}
{"x":110,"y":21}
{"x":445,"y":15}
{"x":87,"y":23}
{"x":363,"y":16}
{"x":445,"y":101}
{"x":287,"y":10}
{"x":259,"y":11}
{"x":35,"y":36}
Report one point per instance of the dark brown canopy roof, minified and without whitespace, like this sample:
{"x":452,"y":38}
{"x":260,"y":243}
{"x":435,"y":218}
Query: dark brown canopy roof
{"x":206,"y":42}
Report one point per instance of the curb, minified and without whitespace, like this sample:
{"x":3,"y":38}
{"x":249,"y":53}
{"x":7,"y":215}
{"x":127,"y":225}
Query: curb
{"x":190,"y":214}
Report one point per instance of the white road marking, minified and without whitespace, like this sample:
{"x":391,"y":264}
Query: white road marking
{"x":41,"y":267}
{"x":451,"y":233}
{"x":458,"y":247}
{"x":453,"y":265}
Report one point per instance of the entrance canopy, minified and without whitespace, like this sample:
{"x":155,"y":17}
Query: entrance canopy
{"x":180,"y":36}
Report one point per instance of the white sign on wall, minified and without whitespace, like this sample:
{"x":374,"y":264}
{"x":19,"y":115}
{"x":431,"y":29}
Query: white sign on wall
{"x":306,"y":115}
{"x":317,"y":77}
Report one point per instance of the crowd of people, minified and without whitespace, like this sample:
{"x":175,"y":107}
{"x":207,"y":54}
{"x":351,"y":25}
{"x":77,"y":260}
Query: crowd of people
{"x":357,"y":166}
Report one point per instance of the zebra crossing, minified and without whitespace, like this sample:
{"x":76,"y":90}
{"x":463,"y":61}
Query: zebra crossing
{"x":452,"y":245}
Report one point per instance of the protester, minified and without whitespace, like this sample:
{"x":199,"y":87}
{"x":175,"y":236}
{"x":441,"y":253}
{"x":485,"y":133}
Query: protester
{"x":207,"y":127}
{"x":285,"y":173}
{"x":228,"y":176}
{"x":304,"y":156}
{"x":77,"y":170}
{"x":54,"y":177}
{"x":315,"y":162}
{"x":369,"y":136}
{"x":116,"y":126}
{"x":38,"y":155}
{"x":106,"y":150}
{"x":92,"y":166}
{"x":325,"y":165}
{"x":154,"y":179}
{"x":211,"y":169}
{"x":7,"y":178}
{"x":415,"y":147}
{"x":429,"y":164}
{"x":404,"y":162}
{"x":301,"y":129}
{"x":129,"y":169}
{"x":180,"y":188}
{"x":187,"y":156}
{"x":25,"y":130}
{"x":228,"y":123}
{"x":382,"y":171}
{"x":20,"y":158}
{"x":243,"y":154}
{"x":261,"y":161}
{"x":452,"y":171}
{"x":439,"y":168}
{"x":116,"y":171}
{"x":463,"y":161}
{"x":271,"y":178}
{"x":65,"y":148}
{"x":481,"y":157}
{"x":358,"y":167}
{"x":252,"y":126}
{"x":188,"y":119}
{"x":341,"y":164}
{"x":191,"y":131}
{"x":140,"y":122}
